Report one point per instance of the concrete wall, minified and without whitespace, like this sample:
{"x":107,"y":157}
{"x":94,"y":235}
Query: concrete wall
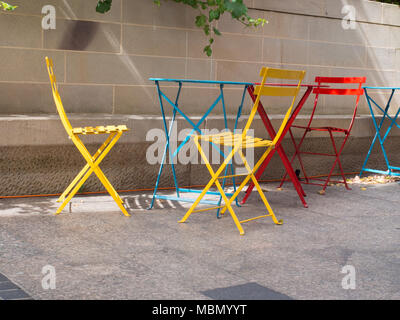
{"x":103,"y":63}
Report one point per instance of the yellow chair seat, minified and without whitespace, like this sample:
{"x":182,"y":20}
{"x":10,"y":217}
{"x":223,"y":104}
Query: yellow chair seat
{"x":230,"y":139}
{"x":100,"y":129}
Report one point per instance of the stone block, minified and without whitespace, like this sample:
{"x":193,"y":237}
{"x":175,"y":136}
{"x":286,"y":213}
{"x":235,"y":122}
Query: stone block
{"x":29,"y":65}
{"x":20,"y":31}
{"x":313,"y":7}
{"x":147,"y":40}
{"x":120,"y":69}
{"x":339,"y":55}
{"x":285,"y":51}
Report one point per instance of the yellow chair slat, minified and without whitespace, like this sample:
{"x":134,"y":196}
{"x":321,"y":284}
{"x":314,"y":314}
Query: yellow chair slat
{"x":89,"y":130}
{"x":282,"y":74}
{"x":230,"y":139}
{"x":275,"y":91}
{"x":77,"y":130}
{"x":210,"y":136}
{"x":116,"y":128}
{"x":99,"y":129}
{"x":122,"y":128}
{"x":247,"y":142}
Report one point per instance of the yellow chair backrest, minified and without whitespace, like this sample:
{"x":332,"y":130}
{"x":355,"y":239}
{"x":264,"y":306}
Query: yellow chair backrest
{"x":57,"y":98}
{"x":276,"y":91}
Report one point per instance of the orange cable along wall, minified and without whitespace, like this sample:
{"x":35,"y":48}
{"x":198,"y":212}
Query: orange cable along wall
{"x":147,"y":189}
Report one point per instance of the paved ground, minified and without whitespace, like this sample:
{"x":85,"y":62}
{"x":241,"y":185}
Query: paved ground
{"x":99,"y":254}
{"x":10,"y":291}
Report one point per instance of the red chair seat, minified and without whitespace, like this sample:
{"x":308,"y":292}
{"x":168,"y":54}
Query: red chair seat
{"x":334,"y":129}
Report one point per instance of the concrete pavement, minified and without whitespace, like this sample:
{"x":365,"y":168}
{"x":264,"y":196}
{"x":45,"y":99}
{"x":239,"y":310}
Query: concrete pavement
{"x":99,"y":254}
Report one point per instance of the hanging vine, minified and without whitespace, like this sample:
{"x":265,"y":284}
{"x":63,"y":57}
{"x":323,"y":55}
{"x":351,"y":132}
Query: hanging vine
{"x":210,"y":11}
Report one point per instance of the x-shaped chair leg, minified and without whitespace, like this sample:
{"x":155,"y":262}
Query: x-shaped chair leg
{"x":296,"y":154}
{"x":214,"y":179}
{"x":228,"y":202}
{"x":100,"y":174}
{"x":262,"y":195}
{"x":251,"y":176}
{"x":85,"y":168}
{"x":337,"y":161}
{"x":93,"y":164}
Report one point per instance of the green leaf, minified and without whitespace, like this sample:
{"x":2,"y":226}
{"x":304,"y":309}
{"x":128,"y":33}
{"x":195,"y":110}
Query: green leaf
{"x":214,"y":15}
{"x":208,"y":50}
{"x":236,"y":8}
{"x":201,"y":20}
{"x":206,"y":29}
{"x":216,"y":31}
{"x":7,"y":7}
{"x":104,"y":6}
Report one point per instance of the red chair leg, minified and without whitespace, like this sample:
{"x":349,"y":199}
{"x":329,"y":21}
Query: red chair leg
{"x":281,"y":152}
{"x":289,"y":171}
{"x":337,"y":161}
{"x":298,"y":155}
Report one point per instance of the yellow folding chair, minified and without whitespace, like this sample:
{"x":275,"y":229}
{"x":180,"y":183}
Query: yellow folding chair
{"x":242,"y":141}
{"x":93,"y":162}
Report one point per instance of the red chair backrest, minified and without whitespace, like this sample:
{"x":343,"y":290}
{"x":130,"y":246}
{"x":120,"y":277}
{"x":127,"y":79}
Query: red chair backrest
{"x":343,"y":80}
{"x":336,"y":91}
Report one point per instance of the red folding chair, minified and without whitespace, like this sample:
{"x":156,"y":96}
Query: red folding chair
{"x":330,"y":130}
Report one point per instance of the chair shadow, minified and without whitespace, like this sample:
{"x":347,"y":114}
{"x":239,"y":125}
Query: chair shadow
{"x":143,"y":202}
